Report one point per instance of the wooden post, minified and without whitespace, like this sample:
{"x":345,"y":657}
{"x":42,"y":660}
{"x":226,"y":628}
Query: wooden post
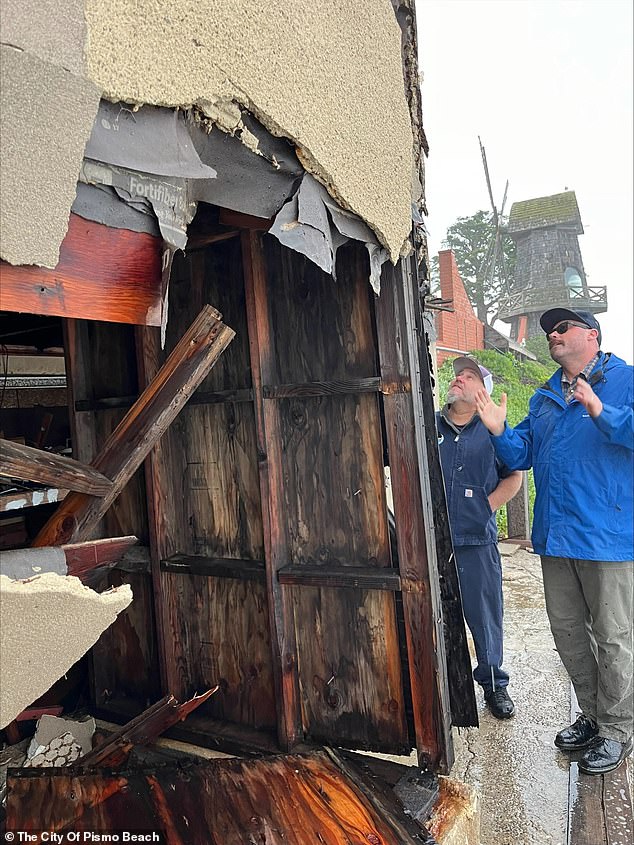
{"x":517,"y":513}
{"x":283,"y":638}
{"x":142,"y":427}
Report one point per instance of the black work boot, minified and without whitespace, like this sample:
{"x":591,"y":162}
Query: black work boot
{"x":499,"y":702}
{"x":580,"y":734}
{"x":604,"y":756}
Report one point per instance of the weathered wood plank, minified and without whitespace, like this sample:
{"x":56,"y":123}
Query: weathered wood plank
{"x":280,"y":800}
{"x":109,"y":402}
{"x":143,"y":426}
{"x":332,"y":502}
{"x":143,"y":729}
{"x":205,"y":498}
{"x":221,"y":628}
{"x":102,"y":274}
{"x":29,"y":464}
{"x":413,"y":520}
{"x":267,"y":421}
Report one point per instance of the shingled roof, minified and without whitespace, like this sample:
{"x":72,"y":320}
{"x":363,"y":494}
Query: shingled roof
{"x":555,"y":210}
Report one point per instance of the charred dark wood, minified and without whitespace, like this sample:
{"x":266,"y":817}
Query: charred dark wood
{"x":199,"y":398}
{"x":242,"y":570}
{"x":365,"y":577}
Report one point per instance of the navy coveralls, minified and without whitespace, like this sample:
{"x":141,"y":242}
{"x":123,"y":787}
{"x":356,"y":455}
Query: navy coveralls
{"x":471,"y":471}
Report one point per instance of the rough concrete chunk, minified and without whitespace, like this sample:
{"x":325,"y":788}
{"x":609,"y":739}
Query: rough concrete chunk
{"x":46,"y":624}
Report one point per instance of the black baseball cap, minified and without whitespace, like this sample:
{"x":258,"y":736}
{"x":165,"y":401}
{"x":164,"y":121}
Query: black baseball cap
{"x":552,"y":318}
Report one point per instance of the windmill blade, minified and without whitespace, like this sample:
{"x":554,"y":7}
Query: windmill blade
{"x":506,"y":190}
{"x":486,"y":173}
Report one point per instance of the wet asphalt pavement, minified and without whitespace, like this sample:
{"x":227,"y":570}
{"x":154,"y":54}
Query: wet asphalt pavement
{"x":521,"y":778}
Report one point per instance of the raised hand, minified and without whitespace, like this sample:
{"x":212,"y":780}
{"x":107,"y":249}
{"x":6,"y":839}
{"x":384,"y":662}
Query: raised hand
{"x":588,"y":398}
{"x":493,"y":416}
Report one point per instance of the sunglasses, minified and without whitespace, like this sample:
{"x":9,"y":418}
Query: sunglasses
{"x":562,"y":328}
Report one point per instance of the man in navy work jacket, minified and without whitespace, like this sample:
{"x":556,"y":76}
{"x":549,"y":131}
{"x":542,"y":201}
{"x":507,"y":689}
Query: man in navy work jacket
{"x":477,"y":484}
{"x":579,"y":439}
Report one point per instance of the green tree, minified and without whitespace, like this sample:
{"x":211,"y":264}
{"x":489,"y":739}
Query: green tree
{"x":486,"y":270}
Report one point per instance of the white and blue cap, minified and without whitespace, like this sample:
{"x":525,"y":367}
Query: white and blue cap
{"x":465,"y":363}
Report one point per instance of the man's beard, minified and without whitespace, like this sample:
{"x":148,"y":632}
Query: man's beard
{"x":452,"y":397}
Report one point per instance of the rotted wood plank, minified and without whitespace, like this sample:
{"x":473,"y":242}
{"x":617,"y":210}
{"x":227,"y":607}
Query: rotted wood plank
{"x":29,"y":464}
{"x":276,"y":547}
{"x":102,"y":274}
{"x":413,"y":520}
{"x":142,"y":427}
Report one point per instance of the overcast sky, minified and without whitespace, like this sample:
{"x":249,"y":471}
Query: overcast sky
{"x":547,"y":85}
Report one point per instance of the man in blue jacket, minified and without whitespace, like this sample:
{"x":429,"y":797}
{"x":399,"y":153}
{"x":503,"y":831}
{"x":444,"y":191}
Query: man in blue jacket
{"x":477,"y":484}
{"x":579,"y":439}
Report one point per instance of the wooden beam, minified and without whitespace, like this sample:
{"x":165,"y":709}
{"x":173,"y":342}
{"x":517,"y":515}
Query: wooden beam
{"x":356,"y":577}
{"x":29,"y":464}
{"x":144,"y":729}
{"x":276,"y":543}
{"x":142,"y":427}
{"x":413,"y":519}
{"x":241,"y":570}
{"x":102,"y":274}
{"x":81,"y":558}
{"x":323,"y":388}
{"x":238,"y":220}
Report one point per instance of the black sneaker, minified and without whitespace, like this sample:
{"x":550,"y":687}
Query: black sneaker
{"x":500,"y":703}
{"x":604,"y":756}
{"x":580,"y":734}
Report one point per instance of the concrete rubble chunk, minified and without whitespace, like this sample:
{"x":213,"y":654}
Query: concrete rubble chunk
{"x":46,"y":624}
{"x":50,"y":728}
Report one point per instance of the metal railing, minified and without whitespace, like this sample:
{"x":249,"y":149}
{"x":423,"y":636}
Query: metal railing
{"x":593,"y":299}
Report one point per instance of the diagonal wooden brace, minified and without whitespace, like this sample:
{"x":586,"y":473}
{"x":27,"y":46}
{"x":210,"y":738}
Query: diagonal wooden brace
{"x":142,"y":427}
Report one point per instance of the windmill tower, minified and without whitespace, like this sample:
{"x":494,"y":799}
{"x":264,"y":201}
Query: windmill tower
{"x":549,"y":271}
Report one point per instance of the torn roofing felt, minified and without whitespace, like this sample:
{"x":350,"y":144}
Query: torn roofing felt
{"x":152,"y":164}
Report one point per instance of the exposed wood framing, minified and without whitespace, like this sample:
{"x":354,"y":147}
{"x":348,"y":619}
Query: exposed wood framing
{"x":414,"y":520}
{"x":29,"y":464}
{"x":142,"y":427}
{"x":269,"y":439}
{"x":102,"y":273}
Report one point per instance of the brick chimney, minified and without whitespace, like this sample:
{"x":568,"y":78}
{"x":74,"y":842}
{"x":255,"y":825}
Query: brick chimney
{"x":461,"y":331}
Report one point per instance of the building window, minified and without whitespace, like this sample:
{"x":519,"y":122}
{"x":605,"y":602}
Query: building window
{"x":572,"y":278}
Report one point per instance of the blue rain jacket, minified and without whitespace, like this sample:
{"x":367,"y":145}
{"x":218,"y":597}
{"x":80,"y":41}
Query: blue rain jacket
{"x":583,"y":467}
{"x":470,"y":471}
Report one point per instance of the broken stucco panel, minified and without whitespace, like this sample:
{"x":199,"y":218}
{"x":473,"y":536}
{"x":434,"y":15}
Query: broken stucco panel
{"x":321,"y":74}
{"x":46,"y":117}
{"x":46,"y":624}
{"x":53,"y":31}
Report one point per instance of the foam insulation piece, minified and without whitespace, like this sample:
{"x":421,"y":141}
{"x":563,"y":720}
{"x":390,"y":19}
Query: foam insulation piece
{"x":24,"y":563}
{"x":45,"y":120}
{"x":51,"y":727}
{"x":321,"y":74}
{"x":46,"y":624}
{"x":60,"y":751}
{"x":53,"y":31}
